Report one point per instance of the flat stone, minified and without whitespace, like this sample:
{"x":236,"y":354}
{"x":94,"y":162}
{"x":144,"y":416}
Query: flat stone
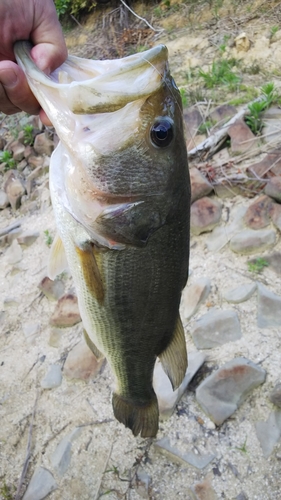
{"x":223,"y":391}
{"x":53,"y":377}
{"x":242,"y":138}
{"x":198,"y":461}
{"x":18,"y":151}
{"x":205,"y":215}
{"x":55,"y":337}
{"x":275,"y":215}
{"x":200,"y":186}
{"x":43,"y":145}
{"x":273,"y":188}
{"x":257,"y":214}
{"x":35,"y":161}
{"x":251,"y":241}
{"x":194,"y":295}
{"x":14,"y":253}
{"x":143,"y":483}
{"x":269,"y":432}
{"x":222,"y":114}
{"x":275,"y":395}
{"x":61,"y":457}
{"x":217,"y":327}
{"x":41,"y":485}
{"x":221,"y":235}
{"x":66,"y":312}
{"x":28,"y":238}
{"x":274,"y":261}
{"x":167,"y":398}
{"x":31,"y":331}
{"x":192,"y":119}
{"x":4,"y":200}
{"x":14,"y":189}
{"x":271,"y":162}
{"x":8,"y":238}
{"x":240,"y":294}
{"x":269,"y":308}
{"x":52,"y":289}
{"x":81,"y":363}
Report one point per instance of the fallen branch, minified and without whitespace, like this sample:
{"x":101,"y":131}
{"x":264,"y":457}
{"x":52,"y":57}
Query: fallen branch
{"x":213,"y":142}
{"x":141,"y":18}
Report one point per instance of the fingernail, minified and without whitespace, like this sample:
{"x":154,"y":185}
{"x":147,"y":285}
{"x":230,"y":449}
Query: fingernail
{"x":8,"y":77}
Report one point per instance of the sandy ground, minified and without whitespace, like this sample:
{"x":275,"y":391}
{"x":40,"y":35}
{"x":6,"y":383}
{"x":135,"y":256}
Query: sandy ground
{"x":105,"y":456}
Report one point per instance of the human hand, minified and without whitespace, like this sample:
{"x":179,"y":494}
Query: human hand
{"x":37,"y":21}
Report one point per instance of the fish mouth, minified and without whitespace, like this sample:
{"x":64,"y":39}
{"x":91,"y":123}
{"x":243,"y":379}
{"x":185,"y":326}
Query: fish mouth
{"x":90,"y":86}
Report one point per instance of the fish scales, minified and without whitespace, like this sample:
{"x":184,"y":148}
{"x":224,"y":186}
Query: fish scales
{"x":121,"y":201}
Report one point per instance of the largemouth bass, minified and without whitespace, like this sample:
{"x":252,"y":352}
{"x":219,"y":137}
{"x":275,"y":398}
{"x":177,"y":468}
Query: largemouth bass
{"x":120,"y":191}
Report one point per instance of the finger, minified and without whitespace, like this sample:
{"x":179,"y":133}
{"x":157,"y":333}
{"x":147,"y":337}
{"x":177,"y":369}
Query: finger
{"x":44,"y":118}
{"x":17,"y":94}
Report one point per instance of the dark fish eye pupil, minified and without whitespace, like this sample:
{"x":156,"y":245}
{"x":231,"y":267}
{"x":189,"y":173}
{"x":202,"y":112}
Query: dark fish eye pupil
{"x":162,"y":133}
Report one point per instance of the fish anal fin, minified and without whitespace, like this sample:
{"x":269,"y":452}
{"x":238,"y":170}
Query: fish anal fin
{"x":141,"y":419}
{"x":174,"y":357}
{"x":57,"y":259}
{"x":91,"y":272}
{"x":92,"y":346}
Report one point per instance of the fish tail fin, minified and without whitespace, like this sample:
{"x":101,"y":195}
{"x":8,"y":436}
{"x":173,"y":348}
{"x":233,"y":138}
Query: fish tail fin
{"x":141,"y":419}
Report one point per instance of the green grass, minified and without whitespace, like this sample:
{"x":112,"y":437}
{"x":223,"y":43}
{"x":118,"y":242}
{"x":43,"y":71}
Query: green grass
{"x":254,"y":117}
{"x":220,"y":73}
{"x":7,"y":157}
{"x":28,"y":138}
{"x":257,"y":265}
{"x":48,"y":238}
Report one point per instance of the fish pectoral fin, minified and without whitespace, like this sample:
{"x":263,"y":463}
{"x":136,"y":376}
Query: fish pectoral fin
{"x":99,"y":355}
{"x":174,"y":358}
{"x":57,"y":259}
{"x":130,"y":223}
{"x":141,"y":419}
{"x":91,"y":272}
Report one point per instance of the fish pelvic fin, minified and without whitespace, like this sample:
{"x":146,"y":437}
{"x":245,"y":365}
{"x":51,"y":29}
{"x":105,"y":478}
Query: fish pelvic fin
{"x":141,"y":419}
{"x":174,"y":357}
{"x":98,"y":354}
{"x":57,"y":259}
{"x":91,"y":272}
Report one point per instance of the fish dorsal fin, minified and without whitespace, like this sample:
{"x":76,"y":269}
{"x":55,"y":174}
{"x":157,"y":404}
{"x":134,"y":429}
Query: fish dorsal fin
{"x":57,"y":259}
{"x":91,"y":272}
{"x":92,"y":346}
{"x":174,"y":358}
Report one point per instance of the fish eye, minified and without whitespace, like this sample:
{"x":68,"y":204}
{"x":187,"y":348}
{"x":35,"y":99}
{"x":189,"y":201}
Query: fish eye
{"x":161,"y":133}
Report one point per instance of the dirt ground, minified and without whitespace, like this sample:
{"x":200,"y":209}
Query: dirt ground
{"x":106,"y":459}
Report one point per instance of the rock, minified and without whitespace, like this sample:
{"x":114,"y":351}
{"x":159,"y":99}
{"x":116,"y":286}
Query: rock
{"x":10,"y":302}
{"x":53,"y":377}
{"x":205,"y":215}
{"x":198,"y":461}
{"x":194,"y":295}
{"x":200,"y":186}
{"x":14,"y":253}
{"x":28,"y":152}
{"x":4,"y":200}
{"x":192,"y":119}
{"x":204,"y":490}
{"x":251,"y":241}
{"x":66,"y":312}
{"x":269,"y":308}
{"x":257,"y":214}
{"x":32,"y":177}
{"x":241,"y":137}
{"x":273,"y":188}
{"x":55,"y":337}
{"x":30,"y":331}
{"x":18,"y":151}
{"x":222,"y":114}
{"x":21,"y":165}
{"x":275,"y":395}
{"x":242,"y":43}
{"x":143,"y":482}
{"x":240,"y":294}
{"x":269,"y":432}
{"x":8,"y":238}
{"x":45,"y":200}
{"x":28,"y":238}
{"x":274,"y":261}
{"x":275,"y":215}
{"x":43,"y":144}
{"x":52,"y":289}
{"x":167,"y":398}
{"x":271,"y":162}
{"x":242,"y":496}
{"x":14,"y":189}
{"x":223,"y":391}
{"x":35,"y":161}
{"x":221,"y":235}
{"x":61,"y":457}
{"x":41,"y":485}
{"x":81,"y":363}
{"x":216,"y":328}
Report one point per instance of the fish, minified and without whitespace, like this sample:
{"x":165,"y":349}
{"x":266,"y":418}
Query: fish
{"x":120,"y":191}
